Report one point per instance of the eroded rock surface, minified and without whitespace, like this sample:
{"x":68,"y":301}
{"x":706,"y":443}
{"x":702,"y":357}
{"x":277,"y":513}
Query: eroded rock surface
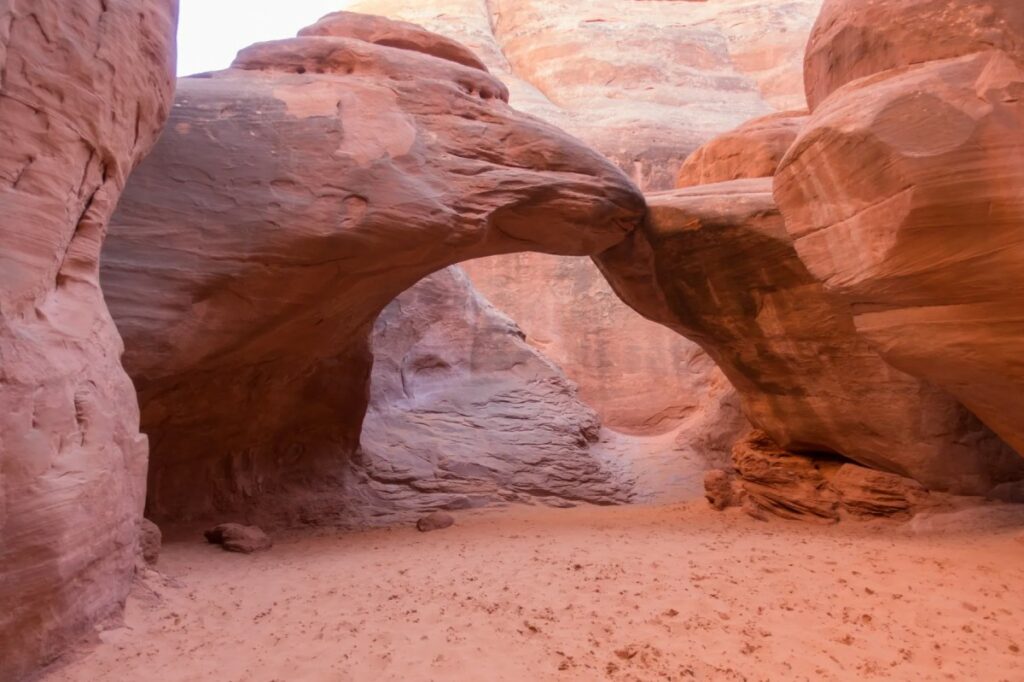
{"x":464,"y":413}
{"x":904,"y":192}
{"x":84,"y":90}
{"x":290,"y":200}
{"x":773,"y":482}
{"x":640,"y":377}
{"x":716,"y":263}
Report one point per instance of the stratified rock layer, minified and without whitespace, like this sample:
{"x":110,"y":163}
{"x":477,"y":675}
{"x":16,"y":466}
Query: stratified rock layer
{"x":290,"y":200}
{"x":904,"y":197}
{"x":717,"y":264}
{"x":464,"y":413}
{"x":773,"y":482}
{"x":84,"y":89}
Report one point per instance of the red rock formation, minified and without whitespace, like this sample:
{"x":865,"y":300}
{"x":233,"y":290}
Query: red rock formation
{"x":464,"y":413}
{"x":84,"y":89}
{"x":773,"y":482}
{"x":857,"y":38}
{"x":754,"y":150}
{"x":903,"y":194}
{"x":291,"y":199}
{"x":717,"y":264}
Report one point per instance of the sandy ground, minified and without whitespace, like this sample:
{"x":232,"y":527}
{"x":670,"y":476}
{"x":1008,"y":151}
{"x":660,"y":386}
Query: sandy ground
{"x":628,"y":593}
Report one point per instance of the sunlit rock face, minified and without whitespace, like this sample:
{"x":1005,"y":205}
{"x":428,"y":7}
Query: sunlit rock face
{"x":84,"y":90}
{"x":903,"y":192}
{"x":291,"y":198}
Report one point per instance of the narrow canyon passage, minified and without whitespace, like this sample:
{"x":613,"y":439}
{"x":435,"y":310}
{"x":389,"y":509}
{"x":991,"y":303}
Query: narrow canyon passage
{"x":620,"y":593}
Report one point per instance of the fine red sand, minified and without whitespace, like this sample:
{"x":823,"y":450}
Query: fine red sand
{"x":628,"y":593}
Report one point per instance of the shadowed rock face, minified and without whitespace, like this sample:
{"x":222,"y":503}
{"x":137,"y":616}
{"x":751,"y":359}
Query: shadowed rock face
{"x":84,"y":89}
{"x":463,"y":413}
{"x":716,"y":263}
{"x":290,"y":200}
{"x":904,"y":198}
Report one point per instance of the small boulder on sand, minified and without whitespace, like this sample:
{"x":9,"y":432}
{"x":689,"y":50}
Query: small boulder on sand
{"x":718,"y":489}
{"x":150,"y":539}
{"x":434,"y":521}
{"x":234,"y":537}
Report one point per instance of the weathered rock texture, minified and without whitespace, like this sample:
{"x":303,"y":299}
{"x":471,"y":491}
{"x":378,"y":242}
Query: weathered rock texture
{"x":644,"y":83}
{"x":290,"y":200}
{"x":84,"y":89}
{"x":773,"y":482}
{"x":904,"y":192}
{"x":716,"y":263}
{"x":464,"y":413}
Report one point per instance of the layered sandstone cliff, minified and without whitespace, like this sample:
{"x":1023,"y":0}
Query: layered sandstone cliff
{"x":84,"y":90}
{"x":882,"y":292}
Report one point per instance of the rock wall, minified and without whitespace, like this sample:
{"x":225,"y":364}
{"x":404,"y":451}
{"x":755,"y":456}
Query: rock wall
{"x":464,"y":413}
{"x":292,"y":197}
{"x":640,"y":377}
{"x":903,"y":193}
{"x":84,"y":90}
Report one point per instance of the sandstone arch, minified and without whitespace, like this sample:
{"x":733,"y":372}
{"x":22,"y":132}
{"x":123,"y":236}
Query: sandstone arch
{"x":291,"y":198}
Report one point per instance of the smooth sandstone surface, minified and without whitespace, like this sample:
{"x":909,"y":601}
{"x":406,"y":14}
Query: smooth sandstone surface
{"x":904,"y":198}
{"x":857,"y":38}
{"x":716,"y":263}
{"x":291,"y":198}
{"x":84,"y":90}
